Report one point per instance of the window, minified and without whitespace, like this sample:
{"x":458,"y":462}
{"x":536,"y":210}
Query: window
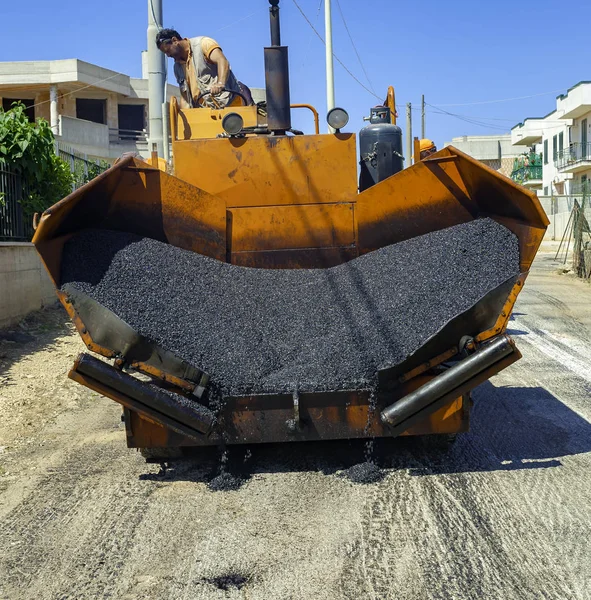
{"x":560,"y":143}
{"x":545,"y":153}
{"x":545,"y":190}
{"x":91,"y":110}
{"x":131,"y":121}
{"x":555,"y":148}
{"x":29,"y":110}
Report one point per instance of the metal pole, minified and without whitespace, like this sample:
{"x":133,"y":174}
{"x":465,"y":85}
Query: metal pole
{"x":423,"y":135}
{"x":274,"y":19}
{"x":165,"y":132}
{"x":156,"y":65}
{"x":330,"y":102}
{"x":409,"y":135}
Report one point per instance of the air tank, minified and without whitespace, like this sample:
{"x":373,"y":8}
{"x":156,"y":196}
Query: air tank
{"x":380,"y":147}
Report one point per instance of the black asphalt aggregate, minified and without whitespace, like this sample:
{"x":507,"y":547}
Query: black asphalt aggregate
{"x":265,"y":331}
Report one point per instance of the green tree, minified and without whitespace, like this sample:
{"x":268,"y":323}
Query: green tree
{"x":28,"y":150}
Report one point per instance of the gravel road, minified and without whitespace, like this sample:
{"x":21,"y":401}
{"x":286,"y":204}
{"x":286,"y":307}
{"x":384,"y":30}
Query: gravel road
{"x":505,"y":514}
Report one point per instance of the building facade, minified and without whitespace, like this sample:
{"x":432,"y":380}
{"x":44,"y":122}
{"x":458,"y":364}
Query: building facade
{"x":563,"y":140}
{"x":495,"y":151}
{"x":92,"y":110}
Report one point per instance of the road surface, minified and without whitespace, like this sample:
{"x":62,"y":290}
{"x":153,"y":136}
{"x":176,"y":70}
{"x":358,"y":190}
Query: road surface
{"x":505,"y":514}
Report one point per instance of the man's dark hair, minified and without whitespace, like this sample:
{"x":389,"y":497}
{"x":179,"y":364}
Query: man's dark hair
{"x":167,"y":34}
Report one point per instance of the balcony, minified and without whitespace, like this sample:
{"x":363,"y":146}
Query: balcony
{"x":527,"y":171}
{"x":577,"y":157}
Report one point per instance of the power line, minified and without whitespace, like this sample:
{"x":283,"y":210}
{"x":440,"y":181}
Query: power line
{"x":470,"y":120}
{"x":79,"y":89}
{"x":501,"y":100}
{"x":311,"y":35}
{"x":335,"y":56}
{"x":236,"y":22}
{"x":354,"y":48}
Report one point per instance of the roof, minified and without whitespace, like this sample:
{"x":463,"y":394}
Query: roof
{"x":71,"y":73}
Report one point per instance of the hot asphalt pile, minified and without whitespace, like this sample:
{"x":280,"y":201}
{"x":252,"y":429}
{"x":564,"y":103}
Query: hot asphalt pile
{"x":258,"y":330}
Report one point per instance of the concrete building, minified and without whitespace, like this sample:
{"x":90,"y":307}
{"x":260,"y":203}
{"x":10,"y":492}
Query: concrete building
{"x":495,"y":151}
{"x":93,"y":110}
{"x":563,"y":138}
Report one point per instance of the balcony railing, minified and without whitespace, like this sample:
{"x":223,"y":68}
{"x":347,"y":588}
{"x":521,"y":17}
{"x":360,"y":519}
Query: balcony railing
{"x":572,"y":155}
{"x":127,"y":135}
{"x":525,"y":174}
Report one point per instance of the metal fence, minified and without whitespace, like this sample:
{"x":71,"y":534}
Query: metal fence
{"x":81,"y":165}
{"x":14,"y":227}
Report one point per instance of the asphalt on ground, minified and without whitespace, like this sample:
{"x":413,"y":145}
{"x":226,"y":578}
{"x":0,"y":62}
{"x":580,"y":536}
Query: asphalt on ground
{"x":505,"y":514}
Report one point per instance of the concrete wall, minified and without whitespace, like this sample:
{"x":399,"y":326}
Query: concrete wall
{"x":557,"y":228}
{"x":485,"y":147}
{"x":83,"y":133}
{"x":24,"y":284}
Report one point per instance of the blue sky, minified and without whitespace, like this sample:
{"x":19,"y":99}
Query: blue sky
{"x":455,"y":52}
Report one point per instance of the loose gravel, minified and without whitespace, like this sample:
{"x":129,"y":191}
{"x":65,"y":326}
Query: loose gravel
{"x":365,"y":472}
{"x":281,"y":330}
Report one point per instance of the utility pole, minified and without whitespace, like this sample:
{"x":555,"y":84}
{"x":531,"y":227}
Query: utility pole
{"x":409,"y":135}
{"x":423,"y":134}
{"x":156,"y":65}
{"x":330,"y":103}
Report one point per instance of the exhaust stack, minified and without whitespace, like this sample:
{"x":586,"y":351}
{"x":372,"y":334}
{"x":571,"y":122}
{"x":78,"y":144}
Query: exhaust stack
{"x":277,"y":77}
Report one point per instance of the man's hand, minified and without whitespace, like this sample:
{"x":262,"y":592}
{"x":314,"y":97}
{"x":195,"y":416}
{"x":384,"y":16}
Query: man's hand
{"x":216,"y":88}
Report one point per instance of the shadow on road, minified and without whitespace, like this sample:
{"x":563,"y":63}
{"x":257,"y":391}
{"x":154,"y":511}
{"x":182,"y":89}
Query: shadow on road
{"x":38,"y":331}
{"x":511,"y":428}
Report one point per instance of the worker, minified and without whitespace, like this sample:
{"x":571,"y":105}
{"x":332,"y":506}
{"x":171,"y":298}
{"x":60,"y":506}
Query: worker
{"x":426,"y":147}
{"x":202,"y":71}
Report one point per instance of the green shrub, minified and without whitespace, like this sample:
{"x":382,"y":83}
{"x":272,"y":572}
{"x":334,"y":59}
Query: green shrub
{"x":28,"y":149}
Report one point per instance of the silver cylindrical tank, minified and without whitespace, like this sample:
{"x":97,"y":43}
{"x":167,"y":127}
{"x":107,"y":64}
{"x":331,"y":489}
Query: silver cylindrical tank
{"x":380,"y":147}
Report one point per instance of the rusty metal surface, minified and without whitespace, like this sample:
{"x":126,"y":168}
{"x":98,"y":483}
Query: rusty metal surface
{"x":304,"y":258}
{"x":501,"y":324}
{"x":268,"y":171}
{"x":206,"y":123}
{"x":338,"y":415}
{"x":289,"y":227}
{"x":134,"y":197}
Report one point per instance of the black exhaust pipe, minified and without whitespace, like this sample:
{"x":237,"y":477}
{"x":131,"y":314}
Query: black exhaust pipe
{"x":454,"y":382}
{"x":277,"y":77}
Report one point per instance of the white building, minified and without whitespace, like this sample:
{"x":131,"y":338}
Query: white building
{"x":93,"y":110}
{"x":495,"y":151}
{"x":563,"y":138}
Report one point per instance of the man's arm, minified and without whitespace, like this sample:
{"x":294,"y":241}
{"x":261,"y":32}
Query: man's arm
{"x":219,"y":59}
